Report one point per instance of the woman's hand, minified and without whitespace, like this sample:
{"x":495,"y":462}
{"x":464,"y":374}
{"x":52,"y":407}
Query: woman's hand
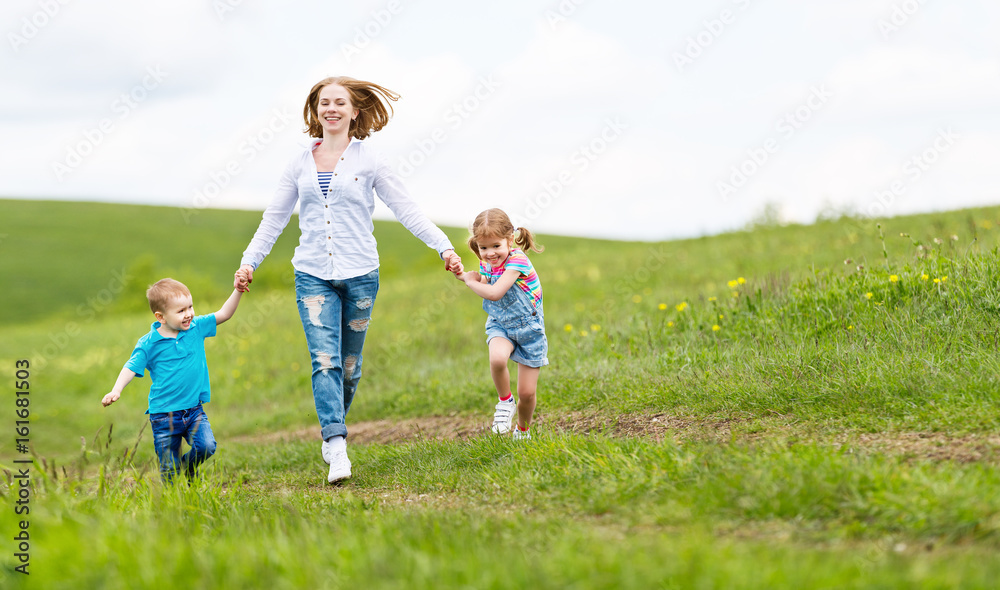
{"x":242,"y":278}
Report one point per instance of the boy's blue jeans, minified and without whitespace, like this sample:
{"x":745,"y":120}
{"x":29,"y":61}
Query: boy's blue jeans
{"x":335,"y":316}
{"x":170,"y":428}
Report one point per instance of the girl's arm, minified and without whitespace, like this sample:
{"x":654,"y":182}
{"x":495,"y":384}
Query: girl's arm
{"x":497,"y":290}
{"x":124,"y":378}
{"x":229,"y":307}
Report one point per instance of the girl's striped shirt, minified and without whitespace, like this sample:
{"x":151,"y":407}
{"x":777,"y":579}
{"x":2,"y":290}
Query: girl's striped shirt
{"x":527,"y":280}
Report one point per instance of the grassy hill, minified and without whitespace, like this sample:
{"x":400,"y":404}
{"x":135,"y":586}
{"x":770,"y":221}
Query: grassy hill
{"x":852,"y":368}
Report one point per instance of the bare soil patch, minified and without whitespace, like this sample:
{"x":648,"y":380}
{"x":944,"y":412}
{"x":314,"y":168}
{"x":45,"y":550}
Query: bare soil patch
{"x":934,"y":446}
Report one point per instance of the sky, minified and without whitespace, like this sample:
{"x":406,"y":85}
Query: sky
{"x":608,"y":119}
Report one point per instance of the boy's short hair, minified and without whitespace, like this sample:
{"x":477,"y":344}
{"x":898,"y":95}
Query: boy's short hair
{"x":162,"y":291}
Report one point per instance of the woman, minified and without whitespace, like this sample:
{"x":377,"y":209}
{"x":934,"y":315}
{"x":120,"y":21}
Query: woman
{"x":336,"y":262}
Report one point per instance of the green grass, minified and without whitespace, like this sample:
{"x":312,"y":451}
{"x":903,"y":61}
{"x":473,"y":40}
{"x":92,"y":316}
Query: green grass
{"x":803,"y":358}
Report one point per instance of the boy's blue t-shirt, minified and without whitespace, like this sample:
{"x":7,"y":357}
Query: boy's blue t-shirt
{"x":177,"y":366}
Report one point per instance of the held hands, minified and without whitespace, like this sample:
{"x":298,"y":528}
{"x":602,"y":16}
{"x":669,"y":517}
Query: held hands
{"x":453,"y":263}
{"x":110,"y":399}
{"x":242,"y":278}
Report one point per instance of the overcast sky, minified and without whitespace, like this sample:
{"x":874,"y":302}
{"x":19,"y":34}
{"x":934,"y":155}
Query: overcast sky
{"x":618,"y":119}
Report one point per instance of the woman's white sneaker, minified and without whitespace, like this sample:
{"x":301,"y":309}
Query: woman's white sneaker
{"x":340,"y":466}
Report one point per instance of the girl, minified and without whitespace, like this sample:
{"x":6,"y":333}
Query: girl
{"x":515,"y":328}
{"x":336,"y":262}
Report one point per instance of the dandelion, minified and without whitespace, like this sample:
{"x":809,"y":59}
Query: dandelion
{"x":711,"y":298}
{"x":924,"y":277}
{"x":681,"y":306}
{"x":741,"y":280}
{"x":595,"y":328}
{"x":568,"y":327}
{"x":662,"y":306}
{"x":636,"y":298}
{"x":716,"y":328}
{"x":868,"y":295}
{"x":733,"y":284}
{"x":893,"y":278}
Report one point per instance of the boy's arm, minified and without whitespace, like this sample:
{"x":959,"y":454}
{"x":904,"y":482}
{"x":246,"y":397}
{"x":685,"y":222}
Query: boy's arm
{"x":124,"y":378}
{"x":497,"y":290}
{"x":229,"y":307}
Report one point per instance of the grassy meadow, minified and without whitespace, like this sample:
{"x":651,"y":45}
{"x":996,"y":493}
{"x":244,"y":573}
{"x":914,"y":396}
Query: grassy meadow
{"x":782,"y":407}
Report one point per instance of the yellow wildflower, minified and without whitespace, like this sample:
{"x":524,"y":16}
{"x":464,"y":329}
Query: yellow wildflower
{"x":583,"y":332}
{"x":670,"y":324}
{"x":732,"y":284}
{"x":943,"y":279}
{"x":924,"y":277}
{"x":868,"y":295}
{"x":681,"y":306}
{"x":662,"y":306}
{"x":716,"y":328}
{"x":937,"y":281}
{"x":595,"y":328}
{"x":568,"y":327}
{"x":722,"y":316}
{"x":711,"y":298}
{"x":893,"y":278}
{"x":741,"y":280}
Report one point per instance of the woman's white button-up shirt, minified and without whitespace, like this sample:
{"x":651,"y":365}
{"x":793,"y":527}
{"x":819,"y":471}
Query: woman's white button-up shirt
{"x":337,"y":241}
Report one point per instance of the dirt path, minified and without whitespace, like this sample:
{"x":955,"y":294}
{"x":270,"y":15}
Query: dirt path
{"x":934,"y":446}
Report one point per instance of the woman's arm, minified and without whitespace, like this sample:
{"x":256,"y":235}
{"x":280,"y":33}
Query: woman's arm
{"x":391,"y":190}
{"x":275,"y":218}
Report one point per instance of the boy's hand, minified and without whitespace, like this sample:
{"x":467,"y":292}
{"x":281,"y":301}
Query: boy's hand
{"x":110,"y":399}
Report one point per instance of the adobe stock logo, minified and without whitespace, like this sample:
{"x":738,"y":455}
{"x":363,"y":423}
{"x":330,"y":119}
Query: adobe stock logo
{"x":913,"y":170}
{"x":712,"y":30}
{"x":31,"y":26}
{"x":123,"y":106}
{"x":787,"y":126}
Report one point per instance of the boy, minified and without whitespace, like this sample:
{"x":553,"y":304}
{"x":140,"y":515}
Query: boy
{"x":174,"y":353}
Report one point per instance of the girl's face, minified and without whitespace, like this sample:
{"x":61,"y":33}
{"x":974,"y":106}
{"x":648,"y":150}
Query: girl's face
{"x":335,"y":110}
{"x":494,"y":249}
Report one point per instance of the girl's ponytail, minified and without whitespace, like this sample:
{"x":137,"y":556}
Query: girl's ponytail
{"x":526,"y":240}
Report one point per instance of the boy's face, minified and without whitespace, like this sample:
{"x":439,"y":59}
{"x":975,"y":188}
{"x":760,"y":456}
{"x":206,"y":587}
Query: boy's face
{"x":178,"y":314}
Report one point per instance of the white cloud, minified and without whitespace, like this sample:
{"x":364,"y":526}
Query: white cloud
{"x":493,"y":116}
